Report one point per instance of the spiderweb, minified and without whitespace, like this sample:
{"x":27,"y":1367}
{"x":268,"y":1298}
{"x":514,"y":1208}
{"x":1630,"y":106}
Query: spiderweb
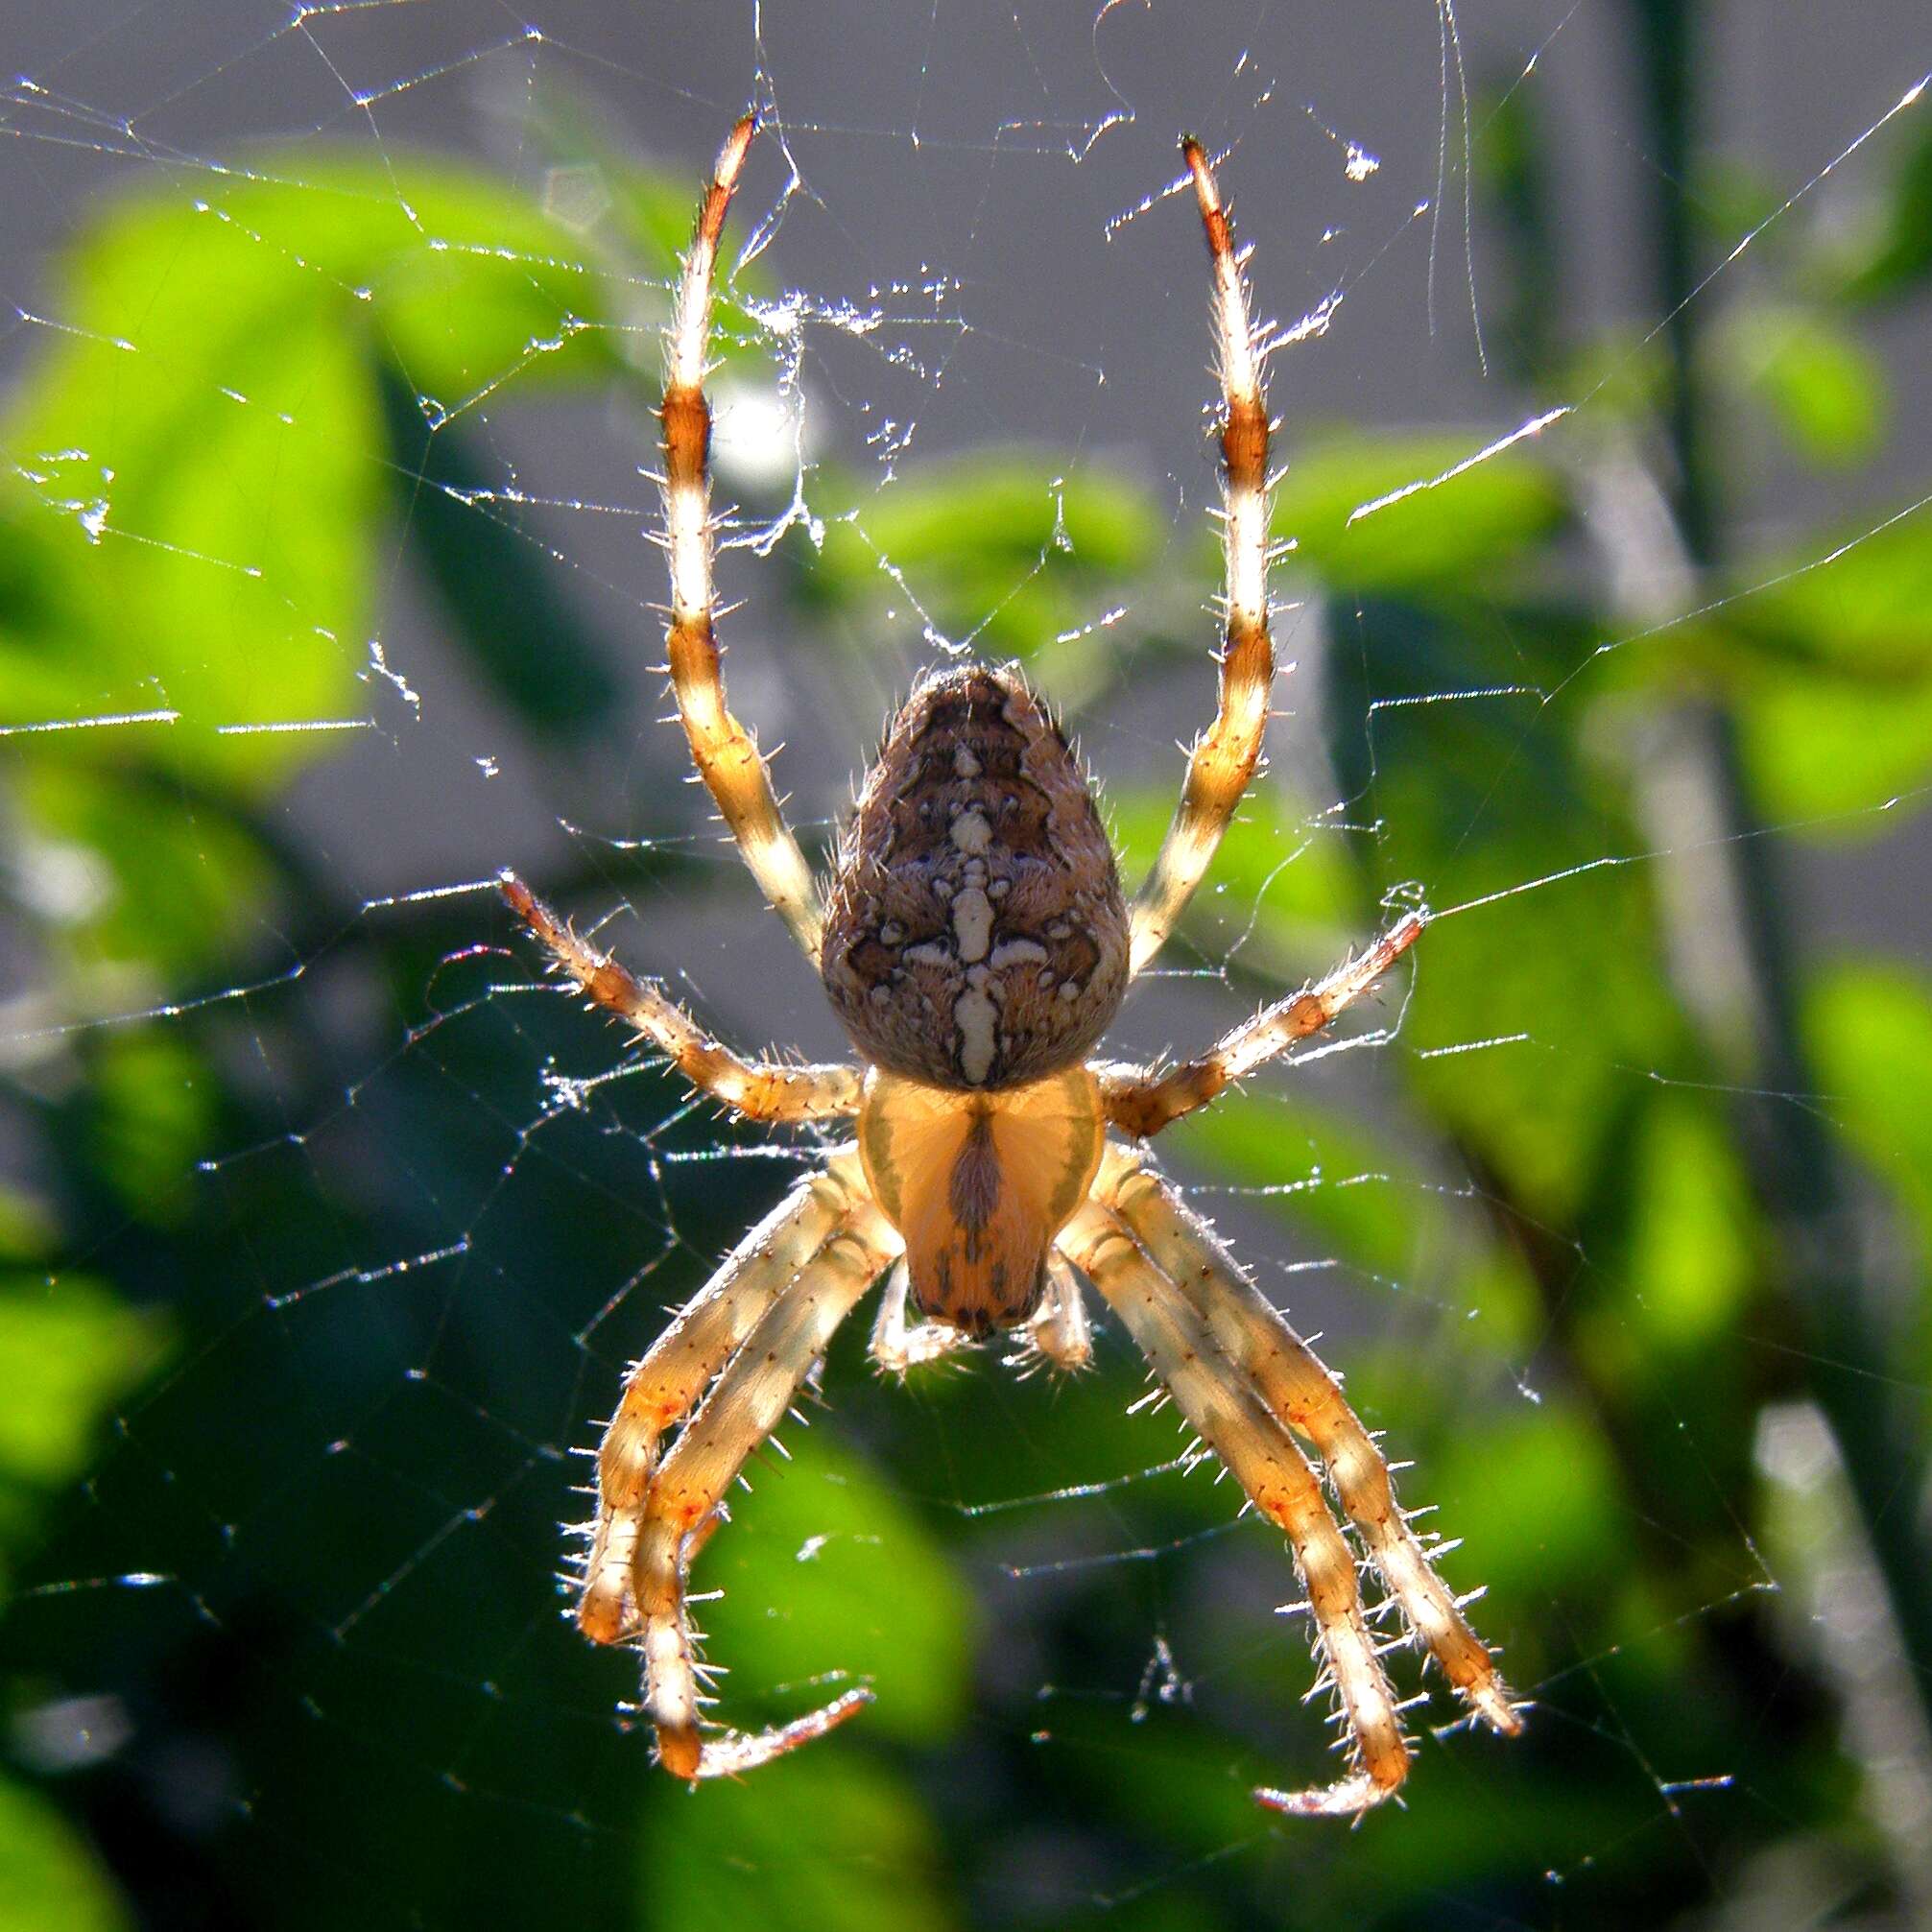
{"x":328,"y":592}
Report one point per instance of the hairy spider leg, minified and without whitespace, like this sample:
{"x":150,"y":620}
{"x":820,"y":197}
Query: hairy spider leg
{"x":1141,"y":1102}
{"x":745,"y":1403}
{"x":1060,"y":1331}
{"x":1225,"y":756}
{"x":1304,"y":1394}
{"x":1225,"y":1410}
{"x":724,"y":753}
{"x":662,"y":1389}
{"x":760,"y":1089}
{"x":897,"y":1343}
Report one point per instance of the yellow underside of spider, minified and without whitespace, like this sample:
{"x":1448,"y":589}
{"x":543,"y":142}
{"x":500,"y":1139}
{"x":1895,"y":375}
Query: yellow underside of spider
{"x":978,"y":1191}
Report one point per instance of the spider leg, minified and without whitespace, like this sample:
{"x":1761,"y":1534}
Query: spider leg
{"x":1223,"y":757}
{"x":1225,"y":1410}
{"x":745,"y":1404}
{"x":724,"y":753}
{"x":663,"y":1388}
{"x":760,"y":1089}
{"x":1141,"y":1102}
{"x":898,"y":1345}
{"x":1302,"y":1392}
{"x":1060,"y":1331}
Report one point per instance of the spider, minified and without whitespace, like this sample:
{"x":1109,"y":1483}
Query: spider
{"x":975,"y":943}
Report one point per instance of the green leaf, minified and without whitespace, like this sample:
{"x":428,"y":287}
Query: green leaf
{"x":1820,"y":749}
{"x":824,"y":1841}
{"x":1826,"y":390}
{"x":69,"y":1350}
{"x":1901,"y":257}
{"x":205,"y":440}
{"x":1001,"y":512}
{"x":1331,"y":1176}
{"x":1000,"y":548}
{"x":1835,"y":704}
{"x":1445,"y":535}
{"x":152,"y":1101}
{"x":1533,"y":1002}
{"x":828,"y":1578}
{"x":214,"y":550}
{"x":1558,"y":1535}
{"x":1285,"y":876}
{"x":1692,"y":1259}
{"x":1869,"y":1029}
{"x":143,"y":879}
{"x":50,"y":1880}
{"x":1853,"y":601}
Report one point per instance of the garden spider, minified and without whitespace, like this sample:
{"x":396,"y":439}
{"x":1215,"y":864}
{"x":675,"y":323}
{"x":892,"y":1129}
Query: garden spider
{"x":975,"y":941}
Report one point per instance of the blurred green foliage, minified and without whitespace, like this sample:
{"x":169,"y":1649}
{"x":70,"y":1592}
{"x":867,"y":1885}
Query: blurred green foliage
{"x":349,"y":1655}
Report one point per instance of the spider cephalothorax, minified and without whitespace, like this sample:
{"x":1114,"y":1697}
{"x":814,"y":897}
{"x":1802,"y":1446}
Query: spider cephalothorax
{"x":975,"y":943}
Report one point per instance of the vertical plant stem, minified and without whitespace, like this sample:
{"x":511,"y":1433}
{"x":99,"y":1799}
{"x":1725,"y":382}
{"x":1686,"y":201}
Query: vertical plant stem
{"x":1796,"y":1168}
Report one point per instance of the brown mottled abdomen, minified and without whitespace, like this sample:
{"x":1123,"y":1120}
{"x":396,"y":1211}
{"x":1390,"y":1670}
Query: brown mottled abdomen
{"x":975,"y":934}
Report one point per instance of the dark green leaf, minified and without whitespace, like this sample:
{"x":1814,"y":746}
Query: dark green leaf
{"x":494,"y":577}
{"x":830,"y":1579}
{"x":49,"y":1880}
{"x":737,"y":1860}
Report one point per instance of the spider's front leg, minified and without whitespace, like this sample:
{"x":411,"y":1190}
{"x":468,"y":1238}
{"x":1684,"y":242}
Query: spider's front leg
{"x":745,"y":1404}
{"x":724,"y":753}
{"x":1232,"y":1421}
{"x":660,"y":1389}
{"x":1223,"y":757}
{"x":1300,"y":1390}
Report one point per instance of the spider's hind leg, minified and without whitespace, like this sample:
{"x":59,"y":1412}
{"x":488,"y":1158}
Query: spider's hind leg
{"x":724,"y":753}
{"x":1223,"y":757}
{"x":1299,"y":1392}
{"x":662,"y":1389}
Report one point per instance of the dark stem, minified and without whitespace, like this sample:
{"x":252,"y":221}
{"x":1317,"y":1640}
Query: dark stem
{"x":1796,"y":1168}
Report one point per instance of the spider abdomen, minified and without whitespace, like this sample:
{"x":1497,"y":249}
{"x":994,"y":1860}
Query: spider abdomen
{"x":975,"y":934}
